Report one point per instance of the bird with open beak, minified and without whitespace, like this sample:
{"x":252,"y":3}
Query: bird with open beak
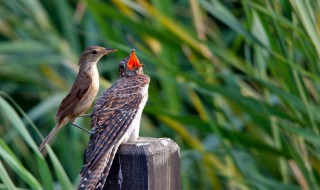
{"x":115,"y":120}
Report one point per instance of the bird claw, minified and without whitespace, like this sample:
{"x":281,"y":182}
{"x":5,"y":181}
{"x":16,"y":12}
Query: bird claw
{"x":92,"y":132}
{"x":86,"y":115}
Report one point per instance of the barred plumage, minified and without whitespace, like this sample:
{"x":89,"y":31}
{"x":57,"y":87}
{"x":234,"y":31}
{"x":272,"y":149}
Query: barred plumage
{"x":116,"y":119}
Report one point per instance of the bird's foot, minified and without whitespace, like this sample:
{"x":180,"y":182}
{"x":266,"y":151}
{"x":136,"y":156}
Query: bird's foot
{"x":85,"y":115}
{"x":92,"y":132}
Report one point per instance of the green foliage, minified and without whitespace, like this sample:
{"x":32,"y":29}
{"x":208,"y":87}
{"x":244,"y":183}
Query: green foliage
{"x":234,"y":83}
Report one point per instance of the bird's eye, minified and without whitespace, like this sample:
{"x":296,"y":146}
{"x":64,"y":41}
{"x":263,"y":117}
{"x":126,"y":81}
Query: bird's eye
{"x":121,"y":66}
{"x":94,"y":51}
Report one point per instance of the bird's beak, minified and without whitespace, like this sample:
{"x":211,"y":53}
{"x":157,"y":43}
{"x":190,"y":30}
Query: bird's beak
{"x":133,"y":61}
{"x":105,"y":51}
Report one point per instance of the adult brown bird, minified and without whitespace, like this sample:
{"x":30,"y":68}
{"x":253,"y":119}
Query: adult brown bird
{"x":115,"y":119}
{"x":82,"y":93}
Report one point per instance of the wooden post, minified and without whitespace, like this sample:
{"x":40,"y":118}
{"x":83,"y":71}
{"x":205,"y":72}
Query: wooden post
{"x":146,"y":164}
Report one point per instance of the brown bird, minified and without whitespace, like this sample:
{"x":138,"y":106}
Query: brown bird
{"x":82,"y":93}
{"x":115,"y":119}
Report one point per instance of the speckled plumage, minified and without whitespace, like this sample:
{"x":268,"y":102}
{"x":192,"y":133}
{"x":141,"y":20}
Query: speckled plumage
{"x":116,"y":119}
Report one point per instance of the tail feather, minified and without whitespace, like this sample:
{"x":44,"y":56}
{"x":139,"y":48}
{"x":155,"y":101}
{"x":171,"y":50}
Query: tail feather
{"x":103,"y":179}
{"x":49,"y":139}
{"x":96,"y":178}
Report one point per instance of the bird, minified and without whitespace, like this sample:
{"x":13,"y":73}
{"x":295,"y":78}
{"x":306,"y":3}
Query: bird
{"x":82,"y":93}
{"x":115,"y":119}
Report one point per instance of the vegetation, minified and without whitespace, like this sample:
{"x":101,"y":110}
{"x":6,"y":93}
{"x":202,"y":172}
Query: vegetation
{"x":234,"y":83}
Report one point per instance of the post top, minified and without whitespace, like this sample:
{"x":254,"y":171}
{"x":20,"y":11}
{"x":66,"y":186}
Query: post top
{"x":148,"y":146}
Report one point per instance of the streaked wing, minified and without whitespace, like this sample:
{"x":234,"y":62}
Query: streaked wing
{"x":111,"y":121}
{"x":112,"y":116}
{"x":77,"y":92}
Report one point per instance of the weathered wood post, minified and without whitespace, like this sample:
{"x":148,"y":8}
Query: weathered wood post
{"x":147,"y":164}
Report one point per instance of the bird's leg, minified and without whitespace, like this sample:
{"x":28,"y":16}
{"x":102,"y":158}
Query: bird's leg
{"x":85,"y":115}
{"x":86,"y":130}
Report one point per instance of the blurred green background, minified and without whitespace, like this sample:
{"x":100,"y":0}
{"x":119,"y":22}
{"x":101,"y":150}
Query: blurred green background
{"x":234,"y":82}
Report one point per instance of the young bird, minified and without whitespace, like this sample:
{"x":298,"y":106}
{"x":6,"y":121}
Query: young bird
{"x":82,"y":93}
{"x":115,"y":119}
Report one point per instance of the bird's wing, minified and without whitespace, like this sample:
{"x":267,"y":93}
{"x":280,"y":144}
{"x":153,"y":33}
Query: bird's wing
{"x":77,"y":92}
{"x":111,"y":122}
{"x":112,"y":115}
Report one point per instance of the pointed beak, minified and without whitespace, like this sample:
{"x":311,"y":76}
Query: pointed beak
{"x":133,"y":61}
{"x":106,"y":51}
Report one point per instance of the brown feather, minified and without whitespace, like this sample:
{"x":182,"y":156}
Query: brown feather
{"x":112,"y":116}
{"x":106,"y":170}
{"x":80,"y":87}
{"x":49,"y":139}
{"x":83,"y":91}
{"x":90,"y":179}
{"x":97,"y":177}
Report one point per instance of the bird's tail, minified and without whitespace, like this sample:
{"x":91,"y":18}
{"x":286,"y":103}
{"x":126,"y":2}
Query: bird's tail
{"x":106,"y":171}
{"x":95,"y":178}
{"x":49,"y":139}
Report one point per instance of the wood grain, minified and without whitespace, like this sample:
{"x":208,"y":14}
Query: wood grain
{"x":146,"y":164}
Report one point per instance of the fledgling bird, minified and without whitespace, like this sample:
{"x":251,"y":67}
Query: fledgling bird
{"x":82,"y":93}
{"x":115,"y":119}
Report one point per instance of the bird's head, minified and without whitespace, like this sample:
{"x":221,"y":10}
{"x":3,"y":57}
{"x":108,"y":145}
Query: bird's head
{"x":92,"y":54}
{"x":130,"y":66}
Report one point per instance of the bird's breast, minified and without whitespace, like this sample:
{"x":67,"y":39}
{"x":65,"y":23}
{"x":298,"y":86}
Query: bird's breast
{"x":95,"y":79}
{"x":95,"y":82}
{"x":133,"y":131}
{"x":88,"y":98}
